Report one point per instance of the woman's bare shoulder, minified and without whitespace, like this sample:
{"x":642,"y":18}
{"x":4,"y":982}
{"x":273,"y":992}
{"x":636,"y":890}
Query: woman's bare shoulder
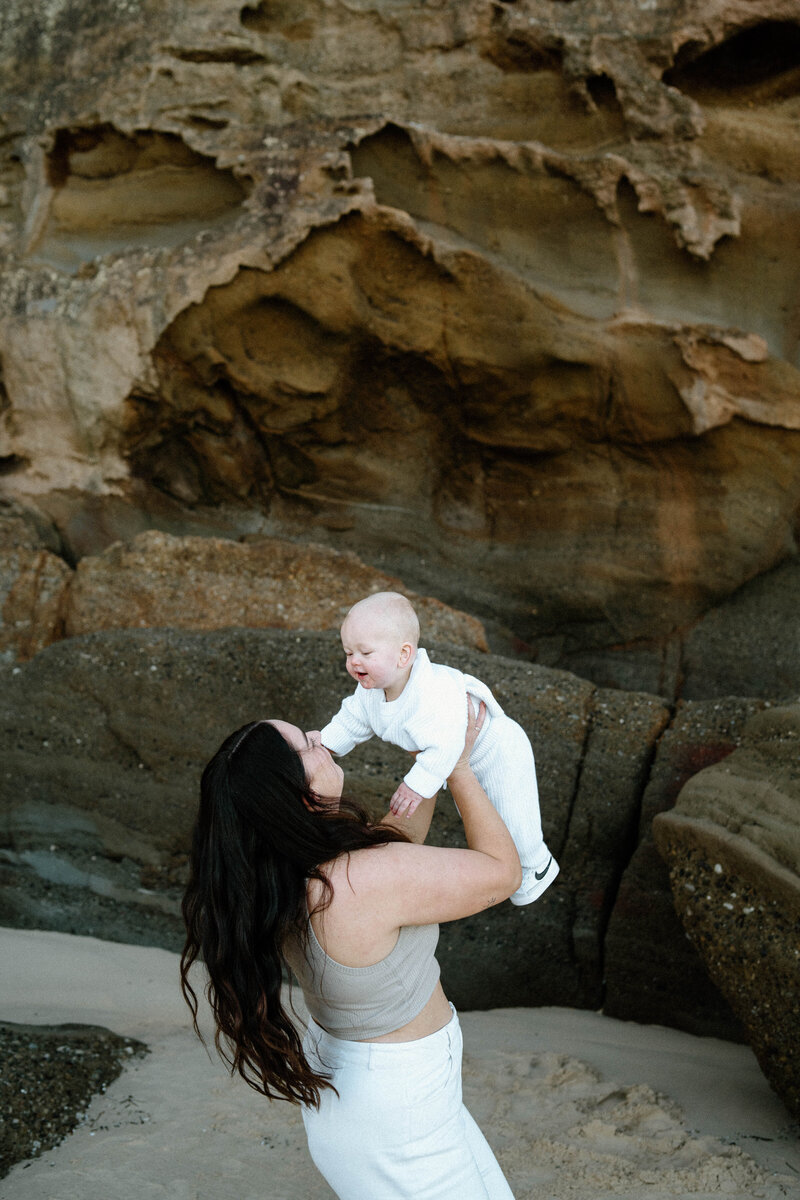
{"x":375,"y":871}
{"x":360,"y":868}
{"x":356,"y":925}
{"x":360,"y":875}
{"x":350,"y":868}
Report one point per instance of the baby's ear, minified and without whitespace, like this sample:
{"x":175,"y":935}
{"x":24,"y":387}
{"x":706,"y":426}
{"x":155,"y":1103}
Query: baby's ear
{"x":407,"y":652}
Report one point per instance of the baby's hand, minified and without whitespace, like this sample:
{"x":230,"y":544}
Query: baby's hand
{"x":313,"y":738}
{"x":405,"y":800}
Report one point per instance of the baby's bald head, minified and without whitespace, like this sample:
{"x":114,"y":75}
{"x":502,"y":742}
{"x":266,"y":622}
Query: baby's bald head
{"x":380,"y":635}
{"x":385,"y":613}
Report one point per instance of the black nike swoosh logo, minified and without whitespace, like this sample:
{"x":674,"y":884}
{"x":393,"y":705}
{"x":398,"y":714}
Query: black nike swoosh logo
{"x":539,"y":875}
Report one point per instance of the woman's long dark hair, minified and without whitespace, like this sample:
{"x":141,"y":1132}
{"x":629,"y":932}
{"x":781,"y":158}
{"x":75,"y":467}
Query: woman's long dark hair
{"x":260,"y":835}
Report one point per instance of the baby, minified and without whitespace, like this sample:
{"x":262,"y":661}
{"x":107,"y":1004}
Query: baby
{"x":411,"y":702}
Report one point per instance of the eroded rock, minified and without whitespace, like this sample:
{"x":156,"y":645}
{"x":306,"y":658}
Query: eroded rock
{"x":732,"y":847}
{"x":211,"y":583}
{"x":111,"y":191}
{"x":418,"y":387}
{"x":512,"y":283}
{"x":33,"y":585}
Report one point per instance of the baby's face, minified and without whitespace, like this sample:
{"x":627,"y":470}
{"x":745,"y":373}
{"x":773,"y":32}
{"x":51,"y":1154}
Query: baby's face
{"x":374,"y":654}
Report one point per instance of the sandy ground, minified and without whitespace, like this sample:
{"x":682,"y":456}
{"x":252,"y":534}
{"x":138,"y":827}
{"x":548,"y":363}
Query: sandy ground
{"x":577,"y":1106}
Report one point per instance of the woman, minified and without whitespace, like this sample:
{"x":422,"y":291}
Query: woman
{"x":285,"y":871}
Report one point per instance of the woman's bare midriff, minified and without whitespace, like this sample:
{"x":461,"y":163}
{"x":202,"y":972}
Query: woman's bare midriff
{"x":434,"y":1016}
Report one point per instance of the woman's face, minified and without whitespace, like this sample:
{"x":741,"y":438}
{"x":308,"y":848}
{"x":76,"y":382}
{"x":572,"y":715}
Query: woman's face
{"x":325,"y":776}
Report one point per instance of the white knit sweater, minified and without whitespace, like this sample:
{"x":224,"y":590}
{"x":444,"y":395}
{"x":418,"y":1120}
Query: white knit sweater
{"x":430,"y":716}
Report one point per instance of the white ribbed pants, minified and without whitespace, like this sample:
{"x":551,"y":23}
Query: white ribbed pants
{"x":504,"y":766}
{"x":398,"y":1129}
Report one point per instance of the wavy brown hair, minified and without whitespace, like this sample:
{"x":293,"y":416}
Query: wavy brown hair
{"x":261,"y":833}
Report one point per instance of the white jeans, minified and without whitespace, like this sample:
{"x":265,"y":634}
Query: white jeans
{"x":398,"y":1129}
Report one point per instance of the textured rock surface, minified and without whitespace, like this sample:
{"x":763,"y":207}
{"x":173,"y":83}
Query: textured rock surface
{"x":732,"y":845}
{"x":106,"y":734}
{"x":653,"y":973}
{"x":751,"y":644}
{"x":209,"y":583}
{"x":515,"y":283}
{"x":33,"y":585}
{"x":189,"y":583}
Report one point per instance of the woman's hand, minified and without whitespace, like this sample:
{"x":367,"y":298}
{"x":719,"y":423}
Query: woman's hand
{"x":474,"y":726}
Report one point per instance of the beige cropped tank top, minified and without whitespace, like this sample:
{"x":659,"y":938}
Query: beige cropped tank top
{"x":360,"y":1003}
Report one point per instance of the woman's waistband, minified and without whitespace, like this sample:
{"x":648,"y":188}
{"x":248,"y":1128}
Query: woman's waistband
{"x":376,"y":1054}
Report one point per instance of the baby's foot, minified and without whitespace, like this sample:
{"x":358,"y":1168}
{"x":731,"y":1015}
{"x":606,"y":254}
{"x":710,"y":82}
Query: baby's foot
{"x":536,"y":880}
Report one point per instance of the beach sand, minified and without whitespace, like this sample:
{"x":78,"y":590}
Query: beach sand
{"x":577,"y":1106}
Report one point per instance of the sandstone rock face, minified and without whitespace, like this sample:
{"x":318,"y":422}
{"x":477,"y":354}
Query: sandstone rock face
{"x":512,"y":283}
{"x":732,"y":846}
{"x":105,"y":736}
{"x":189,"y":583}
{"x":208,"y":583}
{"x":751,"y":644}
{"x":33,"y":586}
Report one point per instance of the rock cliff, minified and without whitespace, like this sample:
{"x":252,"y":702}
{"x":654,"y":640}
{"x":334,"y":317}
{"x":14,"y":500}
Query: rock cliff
{"x":514,"y":282}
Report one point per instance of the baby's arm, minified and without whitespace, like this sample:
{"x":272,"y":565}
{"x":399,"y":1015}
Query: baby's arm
{"x":348,"y":728}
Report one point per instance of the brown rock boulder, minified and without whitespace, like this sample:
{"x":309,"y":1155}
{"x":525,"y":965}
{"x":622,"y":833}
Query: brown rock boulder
{"x":33,"y":585}
{"x":213,"y":583}
{"x":732,"y":847}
